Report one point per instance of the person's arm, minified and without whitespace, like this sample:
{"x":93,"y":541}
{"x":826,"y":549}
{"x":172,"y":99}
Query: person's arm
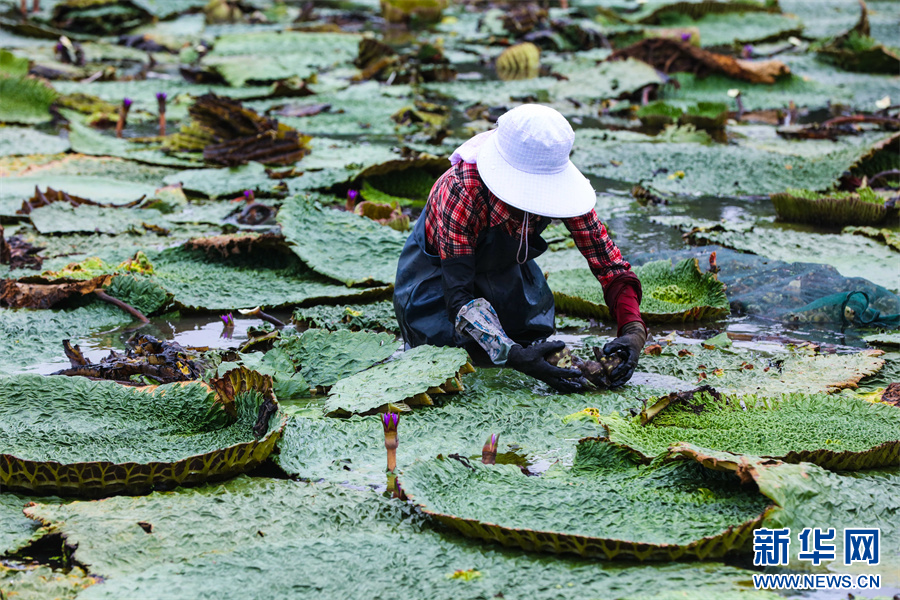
{"x":621,"y":291}
{"x":463,"y":215}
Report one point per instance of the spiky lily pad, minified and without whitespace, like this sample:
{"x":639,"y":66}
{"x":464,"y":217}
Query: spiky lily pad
{"x":799,"y":371}
{"x":377,"y":316}
{"x":863,"y":207}
{"x":760,"y":163}
{"x":404,"y":381}
{"x":35,"y":582}
{"x":203,"y":283}
{"x":236,"y":56}
{"x":30,"y":338}
{"x":20,"y":141}
{"x":605,"y":506}
{"x":807,"y":495}
{"x":26,"y":100}
{"x":835,"y":432}
{"x":16,"y":530}
{"x":341,"y":245}
{"x":670,"y":294}
{"x":324,"y":357}
{"x":221,"y":539}
{"x":887,"y":338}
{"x":70,"y":435}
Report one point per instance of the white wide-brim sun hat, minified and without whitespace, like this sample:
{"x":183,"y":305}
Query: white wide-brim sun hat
{"x":525,"y":162}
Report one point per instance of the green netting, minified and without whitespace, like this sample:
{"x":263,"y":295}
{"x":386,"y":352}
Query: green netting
{"x":834,"y":432}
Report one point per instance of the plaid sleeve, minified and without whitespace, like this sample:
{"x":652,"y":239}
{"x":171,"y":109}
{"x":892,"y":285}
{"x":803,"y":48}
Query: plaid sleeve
{"x":457,"y":212}
{"x":593,"y":241}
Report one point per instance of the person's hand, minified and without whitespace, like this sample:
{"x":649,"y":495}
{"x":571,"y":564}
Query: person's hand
{"x":628,"y":348}
{"x":532,"y":361}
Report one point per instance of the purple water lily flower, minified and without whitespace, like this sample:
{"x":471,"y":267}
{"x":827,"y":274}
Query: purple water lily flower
{"x":228,"y":320}
{"x":161,"y":96}
{"x":685,"y":37}
{"x":747,"y":52}
{"x":352,"y":195}
{"x":126,"y":103}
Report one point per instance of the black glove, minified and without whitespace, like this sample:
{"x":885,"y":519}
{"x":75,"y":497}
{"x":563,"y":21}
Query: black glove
{"x":628,"y":348}
{"x":532,"y":361}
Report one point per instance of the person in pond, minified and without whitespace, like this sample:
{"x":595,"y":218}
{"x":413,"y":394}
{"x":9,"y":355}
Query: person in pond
{"x":467,"y":274}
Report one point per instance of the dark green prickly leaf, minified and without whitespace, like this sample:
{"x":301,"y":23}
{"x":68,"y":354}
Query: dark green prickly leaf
{"x":836,"y":432}
{"x":61,"y":217}
{"x":138,"y":292}
{"x":21,"y":141}
{"x":200,"y":282}
{"x":236,"y":57}
{"x":679,"y":293}
{"x":324,"y":357}
{"x":226,"y":182}
{"x":26,"y":100}
{"x":220,"y":539}
{"x":92,"y":437}
{"x":29,"y":338}
{"x":759,"y":163}
{"x":413,"y":372}
{"x":745,"y":373}
{"x":341,"y":245}
{"x":377,"y":316}
{"x":606,"y":505}
{"x":36,"y":581}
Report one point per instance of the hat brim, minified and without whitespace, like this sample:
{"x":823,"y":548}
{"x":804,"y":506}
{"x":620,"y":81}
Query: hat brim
{"x":558,"y":195}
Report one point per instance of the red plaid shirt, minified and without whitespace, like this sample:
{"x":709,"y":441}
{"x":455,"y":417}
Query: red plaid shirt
{"x":458,"y":210}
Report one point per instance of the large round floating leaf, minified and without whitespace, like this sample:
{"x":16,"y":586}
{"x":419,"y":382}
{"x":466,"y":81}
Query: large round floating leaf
{"x":323,"y":357}
{"x":377,"y":316}
{"x":796,"y":372}
{"x":21,"y":141}
{"x":236,"y":56}
{"x":26,"y":100}
{"x":224,"y":539}
{"x":806,"y":495}
{"x":200,"y":282}
{"x":863,"y":207}
{"x":606,"y":506}
{"x":670,"y":294}
{"x":30,"y":339}
{"x":71,"y":435}
{"x":339,"y":244}
{"x":407,"y":380}
{"x":760,"y":162}
{"x":836,"y":432}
